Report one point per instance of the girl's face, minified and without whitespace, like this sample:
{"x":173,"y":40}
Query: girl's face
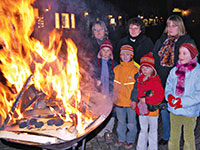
{"x":184,"y":55}
{"x":125,"y":57}
{"x":99,"y":32}
{"x":172,"y":29}
{"x":147,"y":71}
{"x":106,"y":52}
{"x":134,"y":30}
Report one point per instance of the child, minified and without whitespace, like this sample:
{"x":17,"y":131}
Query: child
{"x":123,"y":85}
{"x":105,"y":77}
{"x":150,"y":92}
{"x":183,"y":95}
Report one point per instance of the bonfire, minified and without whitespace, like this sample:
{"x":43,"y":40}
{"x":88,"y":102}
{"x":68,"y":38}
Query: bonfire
{"x":41,"y":99}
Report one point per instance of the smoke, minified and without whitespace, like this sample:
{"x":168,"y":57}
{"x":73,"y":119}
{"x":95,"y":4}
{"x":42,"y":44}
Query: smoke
{"x":81,"y":36}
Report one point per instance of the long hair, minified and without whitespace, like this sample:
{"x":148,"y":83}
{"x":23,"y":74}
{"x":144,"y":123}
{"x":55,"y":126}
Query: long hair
{"x":178,"y":21}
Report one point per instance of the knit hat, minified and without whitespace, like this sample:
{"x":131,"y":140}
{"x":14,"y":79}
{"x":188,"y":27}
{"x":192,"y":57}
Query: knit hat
{"x":106,"y":43}
{"x":149,"y":61}
{"x":191,"y":48}
{"x":126,"y":49}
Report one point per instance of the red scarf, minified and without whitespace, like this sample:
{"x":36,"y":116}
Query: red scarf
{"x":180,"y":72}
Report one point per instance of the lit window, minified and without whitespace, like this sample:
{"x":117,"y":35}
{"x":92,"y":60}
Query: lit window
{"x":41,"y":22}
{"x":112,"y":21}
{"x":65,"y":21}
{"x":57,"y":21}
{"x":73,"y":21}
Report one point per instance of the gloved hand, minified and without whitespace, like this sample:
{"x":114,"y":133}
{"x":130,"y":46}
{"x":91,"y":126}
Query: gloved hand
{"x":174,"y":102}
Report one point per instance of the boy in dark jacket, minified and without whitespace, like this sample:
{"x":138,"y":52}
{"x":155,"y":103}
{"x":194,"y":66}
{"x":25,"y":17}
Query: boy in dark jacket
{"x":105,"y":76}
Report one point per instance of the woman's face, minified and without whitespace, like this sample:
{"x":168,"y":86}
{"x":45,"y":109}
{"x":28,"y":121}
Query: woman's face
{"x":134,"y":30}
{"x":172,"y":29}
{"x":98,"y":32}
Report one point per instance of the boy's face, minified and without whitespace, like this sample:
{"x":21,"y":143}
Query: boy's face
{"x":126,"y":57}
{"x":184,"y":55}
{"x":147,"y":71}
{"x":106,"y":52}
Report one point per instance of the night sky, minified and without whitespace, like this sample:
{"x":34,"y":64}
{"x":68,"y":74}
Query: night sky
{"x":161,"y":7}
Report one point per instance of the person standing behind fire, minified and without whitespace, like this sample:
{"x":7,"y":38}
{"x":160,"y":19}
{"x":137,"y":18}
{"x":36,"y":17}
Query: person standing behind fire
{"x":105,"y":76}
{"x":137,"y":39}
{"x":124,"y":82}
{"x":165,"y":53}
{"x":99,"y":34}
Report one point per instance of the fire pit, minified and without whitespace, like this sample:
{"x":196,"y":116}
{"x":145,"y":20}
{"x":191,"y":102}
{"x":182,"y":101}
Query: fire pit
{"x":47,"y":99}
{"x":42,"y":124}
{"x":43,"y":128}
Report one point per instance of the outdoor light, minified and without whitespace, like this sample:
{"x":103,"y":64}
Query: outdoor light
{"x":185,"y":12}
{"x":112,"y":21}
{"x":86,"y":13}
{"x":119,"y":17}
{"x":176,"y":10}
{"x":110,"y":16}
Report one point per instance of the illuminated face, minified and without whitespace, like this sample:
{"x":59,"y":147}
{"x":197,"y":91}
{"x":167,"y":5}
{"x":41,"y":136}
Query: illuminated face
{"x":126,"y":57}
{"x":134,"y":30}
{"x":172,"y":29}
{"x":184,"y":55}
{"x":99,"y":32}
{"x":106,"y":52}
{"x":147,"y":71}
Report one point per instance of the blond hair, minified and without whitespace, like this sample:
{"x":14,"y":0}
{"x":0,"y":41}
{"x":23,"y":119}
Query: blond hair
{"x":178,"y":21}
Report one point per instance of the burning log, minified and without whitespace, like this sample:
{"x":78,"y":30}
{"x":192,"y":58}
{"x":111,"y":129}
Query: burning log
{"x":9,"y":115}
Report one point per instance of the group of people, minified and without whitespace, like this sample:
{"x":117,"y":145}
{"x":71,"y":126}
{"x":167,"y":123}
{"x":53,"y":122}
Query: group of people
{"x":140,"y":77}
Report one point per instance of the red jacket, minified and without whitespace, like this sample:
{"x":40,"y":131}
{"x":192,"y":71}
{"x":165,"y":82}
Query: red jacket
{"x":157,"y":92}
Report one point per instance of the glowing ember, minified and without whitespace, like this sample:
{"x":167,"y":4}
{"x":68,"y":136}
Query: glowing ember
{"x":23,"y":56}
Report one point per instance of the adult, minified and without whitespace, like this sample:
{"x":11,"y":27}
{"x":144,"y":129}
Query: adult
{"x":99,"y":34}
{"x":101,"y":47}
{"x":165,"y":52}
{"x":137,"y":39}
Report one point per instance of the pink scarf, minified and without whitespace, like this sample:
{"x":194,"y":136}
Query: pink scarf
{"x":180,"y":72}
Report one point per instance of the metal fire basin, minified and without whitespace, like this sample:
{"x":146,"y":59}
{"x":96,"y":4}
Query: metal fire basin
{"x":100,"y":106}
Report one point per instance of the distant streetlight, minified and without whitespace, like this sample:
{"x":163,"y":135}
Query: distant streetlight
{"x":110,"y":16}
{"x":119,"y":17}
{"x":185,"y":12}
{"x":86,"y":13}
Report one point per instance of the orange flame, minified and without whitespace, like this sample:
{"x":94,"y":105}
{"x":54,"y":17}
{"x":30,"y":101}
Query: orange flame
{"x":22,"y":56}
